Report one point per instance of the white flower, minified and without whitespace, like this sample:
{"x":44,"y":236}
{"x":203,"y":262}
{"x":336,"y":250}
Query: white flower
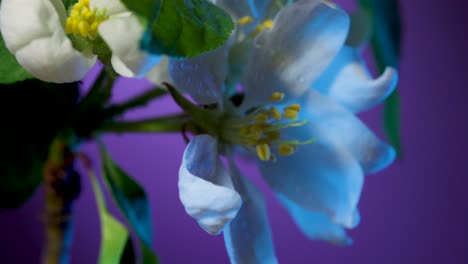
{"x":35,"y":31}
{"x":300,"y":56}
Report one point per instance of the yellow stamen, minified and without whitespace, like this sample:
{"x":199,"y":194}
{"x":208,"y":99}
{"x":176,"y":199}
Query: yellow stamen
{"x":276,"y":97}
{"x":290,"y":114}
{"x":261,"y":130}
{"x":275,"y":113}
{"x":261,"y":118}
{"x":83,"y":21}
{"x":286,"y":149}
{"x":263,"y":152}
{"x":245,"y":20}
{"x":268,"y":24}
{"x":295,"y":107}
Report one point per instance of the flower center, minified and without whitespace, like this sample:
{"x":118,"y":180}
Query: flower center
{"x":260,"y":130}
{"x":83,"y":21}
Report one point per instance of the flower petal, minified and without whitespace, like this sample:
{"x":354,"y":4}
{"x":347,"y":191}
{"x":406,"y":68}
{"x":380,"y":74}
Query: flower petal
{"x":329,"y":120}
{"x":348,"y":81}
{"x":248,"y":237}
{"x":205,"y":188}
{"x":112,"y":7}
{"x":160,"y":73}
{"x":305,"y":38}
{"x":327,"y":176}
{"x":317,"y":225}
{"x":33,"y":32}
{"x":123,"y":34}
{"x":202,"y":76}
{"x":238,"y":9}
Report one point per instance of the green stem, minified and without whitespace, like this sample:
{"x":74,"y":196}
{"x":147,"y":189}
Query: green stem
{"x":138,"y":101}
{"x":176,"y":123}
{"x":62,"y":186}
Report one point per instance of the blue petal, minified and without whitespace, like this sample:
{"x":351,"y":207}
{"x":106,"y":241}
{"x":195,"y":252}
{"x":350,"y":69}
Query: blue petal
{"x":348,"y":81}
{"x":327,"y":176}
{"x":317,"y":225}
{"x":202,"y":76}
{"x":327,"y":119}
{"x":248,"y":237}
{"x":205,"y":187}
{"x":305,"y":38}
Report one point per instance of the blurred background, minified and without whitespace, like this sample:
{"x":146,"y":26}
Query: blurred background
{"x":413,"y":212}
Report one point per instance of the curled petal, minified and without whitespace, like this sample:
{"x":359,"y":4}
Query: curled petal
{"x":202,"y":76}
{"x":348,"y":81}
{"x":123,"y":34}
{"x":317,"y":225}
{"x":205,"y":188}
{"x":305,"y":38}
{"x":33,"y":32}
{"x":248,"y":237}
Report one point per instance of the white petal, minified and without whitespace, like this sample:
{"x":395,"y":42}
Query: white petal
{"x":160,"y":73}
{"x":33,"y":32}
{"x":123,"y":34}
{"x":112,"y":7}
{"x":202,"y":77}
{"x":348,"y":81}
{"x":248,"y":237}
{"x":205,"y":188}
{"x":317,"y":225}
{"x":305,"y":38}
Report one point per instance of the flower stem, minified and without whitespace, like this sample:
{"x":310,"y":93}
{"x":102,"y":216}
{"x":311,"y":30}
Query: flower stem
{"x":62,"y":186}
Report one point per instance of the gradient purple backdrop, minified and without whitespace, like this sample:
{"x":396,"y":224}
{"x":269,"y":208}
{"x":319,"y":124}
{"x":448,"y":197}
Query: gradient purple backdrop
{"x":413,"y":212}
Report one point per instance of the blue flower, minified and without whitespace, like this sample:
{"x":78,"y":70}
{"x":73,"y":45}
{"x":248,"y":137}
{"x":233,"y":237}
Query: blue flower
{"x":296,"y":68}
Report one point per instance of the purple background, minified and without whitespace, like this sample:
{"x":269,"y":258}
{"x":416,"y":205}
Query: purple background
{"x":413,"y":212}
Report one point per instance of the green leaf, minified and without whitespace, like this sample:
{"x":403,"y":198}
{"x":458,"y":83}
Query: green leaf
{"x":34,"y":113}
{"x":114,"y":235}
{"x":182,"y":28}
{"x":10,"y":70}
{"x":132,"y":201}
{"x":148,"y":9}
{"x":386,"y":45}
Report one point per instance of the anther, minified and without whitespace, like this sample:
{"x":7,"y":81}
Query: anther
{"x":286,"y":149}
{"x":276,"y":97}
{"x":245,"y":20}
{"x":290,"y":114}
{"x":263,"y":152}
{"x":295,"y":107}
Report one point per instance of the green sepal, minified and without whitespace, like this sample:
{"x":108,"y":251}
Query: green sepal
{"x":10,"y":70}
{"x":207,"y":120}
{"x":132,"y":201}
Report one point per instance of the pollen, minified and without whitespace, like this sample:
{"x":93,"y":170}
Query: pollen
{"x":83,"y":21}
{"x":260,"y":131}
{"x":245,"y":20}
